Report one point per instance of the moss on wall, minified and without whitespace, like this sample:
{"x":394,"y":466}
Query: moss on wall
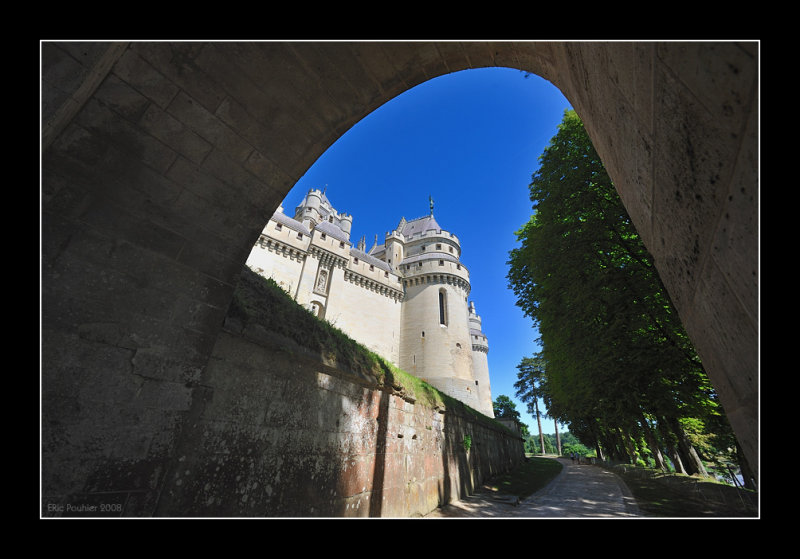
{"x":298,"y":420}
{"x":261,"y":301}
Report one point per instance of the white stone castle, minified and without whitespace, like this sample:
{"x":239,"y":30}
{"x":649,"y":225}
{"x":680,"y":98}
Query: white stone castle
{"x":406,"y":300}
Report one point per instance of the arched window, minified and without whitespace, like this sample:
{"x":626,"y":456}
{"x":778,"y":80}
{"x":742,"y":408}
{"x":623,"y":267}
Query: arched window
{"x":442,"y":307}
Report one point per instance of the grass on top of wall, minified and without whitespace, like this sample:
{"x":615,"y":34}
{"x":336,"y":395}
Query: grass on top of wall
{"x":261,"y":301}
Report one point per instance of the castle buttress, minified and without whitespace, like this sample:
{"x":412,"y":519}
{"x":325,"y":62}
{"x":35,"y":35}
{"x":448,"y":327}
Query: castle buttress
{"x":406,"y":299}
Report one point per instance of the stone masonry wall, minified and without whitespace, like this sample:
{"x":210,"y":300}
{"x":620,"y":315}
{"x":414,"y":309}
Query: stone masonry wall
{"x":280,"y":433}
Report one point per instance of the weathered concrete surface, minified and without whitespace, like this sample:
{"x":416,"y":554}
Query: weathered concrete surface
{"x":162,"y":162}
{"x":579,"y":491}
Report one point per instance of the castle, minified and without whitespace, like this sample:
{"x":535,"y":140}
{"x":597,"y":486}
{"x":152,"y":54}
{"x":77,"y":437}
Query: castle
{"x":406,"y":300}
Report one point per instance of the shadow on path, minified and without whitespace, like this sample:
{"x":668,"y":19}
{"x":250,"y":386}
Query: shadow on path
{"x":580,"y":490}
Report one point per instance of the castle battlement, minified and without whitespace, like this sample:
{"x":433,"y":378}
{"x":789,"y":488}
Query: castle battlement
{"x":405,"y":299}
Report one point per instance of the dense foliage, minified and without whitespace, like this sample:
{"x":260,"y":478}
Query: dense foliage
{"x":569,"y":444}
{"x":504,"y":407}
{"x":616,"y":365}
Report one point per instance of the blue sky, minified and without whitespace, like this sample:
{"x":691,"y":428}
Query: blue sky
{"x":471,"y":140}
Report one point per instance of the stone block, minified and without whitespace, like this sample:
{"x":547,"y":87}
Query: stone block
{"x":137,"y":72}
{"x":203,"y":122}
{"x":175,"y":134}
{"x":124,"y":138}
{"x":121,"y":98}
{"x":176,"y":62}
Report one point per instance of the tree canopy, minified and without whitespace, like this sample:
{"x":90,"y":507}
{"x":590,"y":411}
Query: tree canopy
{"x":504,"y":407}
{"x":616,"y":364}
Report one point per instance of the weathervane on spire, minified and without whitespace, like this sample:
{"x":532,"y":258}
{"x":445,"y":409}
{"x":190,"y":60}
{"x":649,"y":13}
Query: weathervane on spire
{"x":430,"y":199}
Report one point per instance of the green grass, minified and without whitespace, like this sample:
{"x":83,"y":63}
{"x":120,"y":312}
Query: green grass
{"x":681,"y":496}
{"x":657,"y":494}
{"x":261,"y":301}
{"x":528,"y":478}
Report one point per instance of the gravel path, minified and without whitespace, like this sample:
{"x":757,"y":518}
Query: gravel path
{"x":579,"y":491}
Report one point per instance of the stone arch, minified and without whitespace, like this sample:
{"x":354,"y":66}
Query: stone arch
{"x":317,"y":308}
{"x":161,"y":162}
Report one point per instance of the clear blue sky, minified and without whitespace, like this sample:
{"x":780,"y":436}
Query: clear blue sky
{"x":471,"y":140}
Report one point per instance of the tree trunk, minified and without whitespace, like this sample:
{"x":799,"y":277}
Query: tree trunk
{"x":747,"y":473}
{"x":610,"y":441}
{"x":599,"y":451}
{"x":689,"y":455}
{"x":630,"y":446}
{"x":675,"y":457}
{"x":539,"y":421}
{"x":670,"y":442}
{"x":652,"y":443}
{"x":596,"y":437}
{"x":697,"y":462}
{"x":558,"y":437}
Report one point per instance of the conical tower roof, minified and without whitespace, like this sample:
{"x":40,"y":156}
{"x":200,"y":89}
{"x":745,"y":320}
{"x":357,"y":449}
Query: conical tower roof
{"x":420,"y":225}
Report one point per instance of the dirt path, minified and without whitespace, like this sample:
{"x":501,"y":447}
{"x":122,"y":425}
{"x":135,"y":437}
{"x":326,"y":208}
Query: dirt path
{"x":580,"y":490}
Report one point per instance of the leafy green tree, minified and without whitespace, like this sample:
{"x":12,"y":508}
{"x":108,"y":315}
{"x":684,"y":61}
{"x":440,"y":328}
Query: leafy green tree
{"x":540,"y":445}
{"x":578,"y":448}
{"x":504,"y":407}
{"x":529,"y":388}
{"x":620,"y":370}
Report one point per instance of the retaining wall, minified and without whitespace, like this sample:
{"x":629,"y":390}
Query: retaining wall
{"x":282,"y":433}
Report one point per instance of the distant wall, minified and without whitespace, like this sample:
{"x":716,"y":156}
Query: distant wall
{"x":280,"y":433}
{"x":283,"y":264}
{"x":365,"y":314}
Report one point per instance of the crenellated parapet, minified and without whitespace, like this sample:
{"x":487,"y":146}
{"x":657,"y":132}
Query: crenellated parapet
{"x":327,"y":258}
{"x":281,"y":248}
{"x":438,"y":279}
{"x":434,"y":263}
{"x":373,"y":285}
{"x":479,"y":341}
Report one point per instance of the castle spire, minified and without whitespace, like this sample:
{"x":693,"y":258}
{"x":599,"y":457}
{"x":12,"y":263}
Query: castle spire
{"x":430,"y":200}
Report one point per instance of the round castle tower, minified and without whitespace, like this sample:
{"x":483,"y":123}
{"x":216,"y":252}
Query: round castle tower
{"x":435,"y":337}
{"x":308,"y":211}
{"x":346,"y":223}
{"x":480,"y":362}
{"x":315,"y":208}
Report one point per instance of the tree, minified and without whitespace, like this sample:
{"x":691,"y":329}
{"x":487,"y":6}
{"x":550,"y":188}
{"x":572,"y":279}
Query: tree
{"x":529,"y":388}
{"x":616,"y":364}
{"x":505,"y":408}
